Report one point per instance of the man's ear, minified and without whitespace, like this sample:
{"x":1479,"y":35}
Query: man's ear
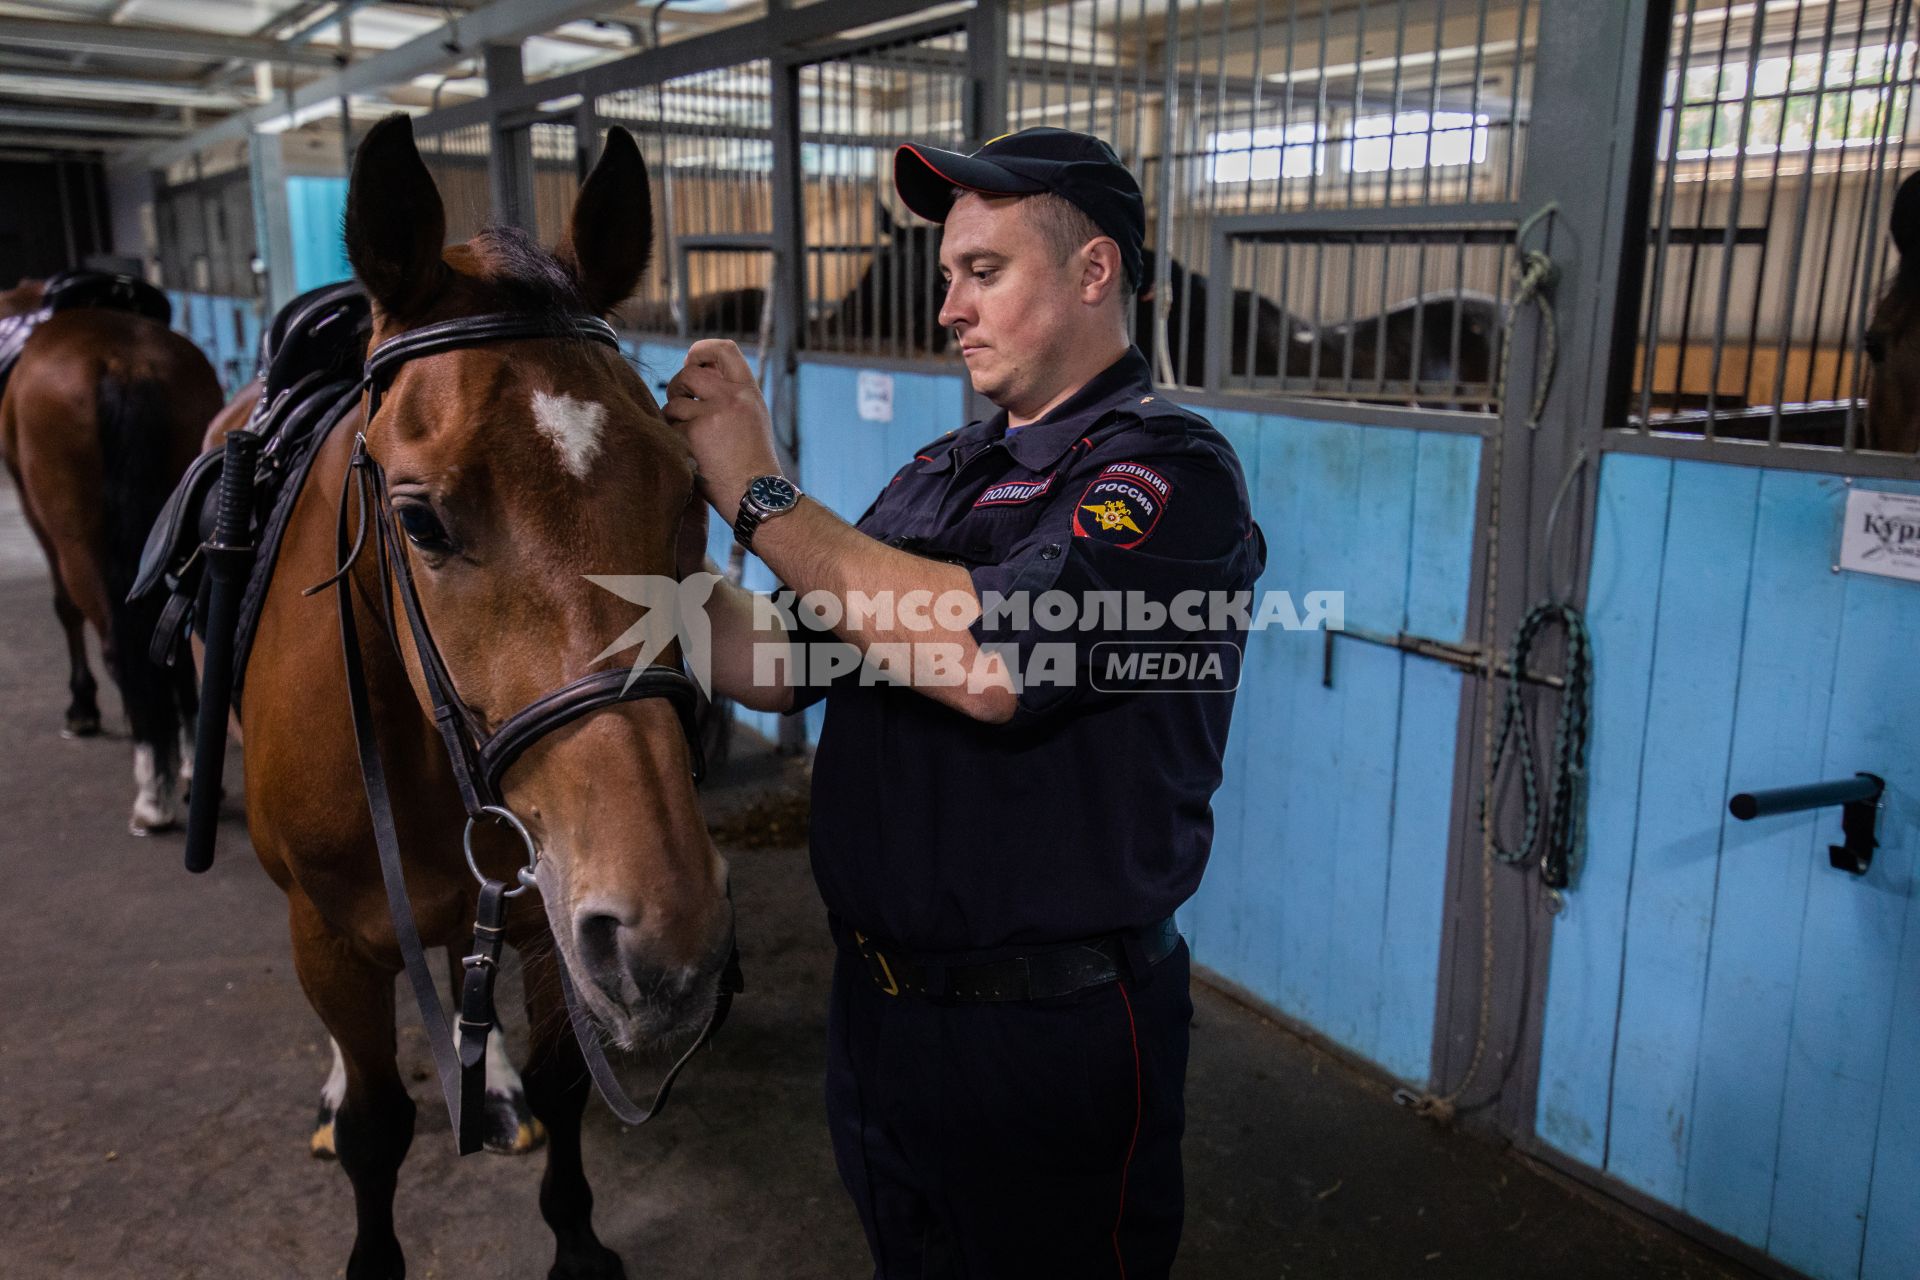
{"x":1101,"y":272}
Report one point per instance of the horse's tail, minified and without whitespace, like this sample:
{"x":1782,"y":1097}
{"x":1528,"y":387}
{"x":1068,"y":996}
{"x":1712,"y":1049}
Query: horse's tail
{"x":135,"y":443}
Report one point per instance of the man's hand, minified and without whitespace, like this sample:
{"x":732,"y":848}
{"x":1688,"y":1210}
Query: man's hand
{"x":715,"y":400}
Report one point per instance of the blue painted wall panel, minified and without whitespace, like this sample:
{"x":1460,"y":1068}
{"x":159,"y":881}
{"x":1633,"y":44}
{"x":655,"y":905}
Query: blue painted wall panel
{"x":1683,"y":779}
{"x":227,"y":331}
{"x":1576,"y":1077}
{"x":1326,"y":888}
{"x":316,"y":217}
{"x":1731,"y":1024}
{"x":1838,"y":1071}
{"x":1780,"y":718}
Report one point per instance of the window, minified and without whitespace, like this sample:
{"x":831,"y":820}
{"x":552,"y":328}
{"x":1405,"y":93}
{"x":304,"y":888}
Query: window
{"x":1416,"y":140}
{"x":1807,"y":102}
{"x":1265,"y":155}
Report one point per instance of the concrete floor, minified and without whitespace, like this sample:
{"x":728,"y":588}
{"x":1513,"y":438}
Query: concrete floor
{"x":159,"y":1068}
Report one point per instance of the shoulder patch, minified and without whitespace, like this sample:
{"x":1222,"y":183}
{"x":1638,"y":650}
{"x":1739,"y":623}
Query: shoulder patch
{"x":1144,"y":474}
{"x":1122,"y":506}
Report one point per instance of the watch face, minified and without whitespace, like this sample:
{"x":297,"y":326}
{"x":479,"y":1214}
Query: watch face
{"x":775,"y":493}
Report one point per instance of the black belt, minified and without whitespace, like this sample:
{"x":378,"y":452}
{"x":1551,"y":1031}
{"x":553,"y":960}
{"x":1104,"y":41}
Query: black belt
{"x":1036,"y":975}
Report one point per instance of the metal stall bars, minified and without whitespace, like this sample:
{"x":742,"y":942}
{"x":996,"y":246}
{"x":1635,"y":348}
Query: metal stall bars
{"x":708,"y":141}
{"x":457,"y":159}
{"x":204,"y":219}
{"x":204,"y":227}
{"x":557,"y":173}
{"x":1347,"y":167}
{"x":1093,"y":67}
{"x":871,"y":271}
{"x":1784,"y":129}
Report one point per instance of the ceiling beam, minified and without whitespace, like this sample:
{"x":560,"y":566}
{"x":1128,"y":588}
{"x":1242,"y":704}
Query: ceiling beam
{"x":42,"y":143}
{"x":503,"y":21}
{"x":87,"y":87}
{"x":776,"y":36}
{"x":127,"y":126}
{"x":130,"y":40}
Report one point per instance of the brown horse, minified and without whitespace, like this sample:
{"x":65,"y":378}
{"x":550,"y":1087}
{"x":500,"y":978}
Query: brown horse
{"x":511,"y":1128}
{"x":100,"y":417}
{"x":22,"y":298}
{"x":514,"y":468}
{"x":1892,"y":340}
{"x":232,"y":416}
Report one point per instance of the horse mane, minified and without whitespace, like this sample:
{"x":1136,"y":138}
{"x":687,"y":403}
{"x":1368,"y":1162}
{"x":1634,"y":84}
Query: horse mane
{"x":531,"y":278}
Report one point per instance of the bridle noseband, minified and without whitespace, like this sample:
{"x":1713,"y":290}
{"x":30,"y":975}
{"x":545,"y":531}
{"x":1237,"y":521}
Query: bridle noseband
{"x":479,"y":760}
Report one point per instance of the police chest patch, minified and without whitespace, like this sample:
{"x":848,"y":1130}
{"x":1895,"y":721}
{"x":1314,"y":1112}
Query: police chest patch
{"x":1010,"y":493}
{"x":1122,"y":505}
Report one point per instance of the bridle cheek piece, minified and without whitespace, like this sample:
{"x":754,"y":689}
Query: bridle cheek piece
{"x":479,"y":759}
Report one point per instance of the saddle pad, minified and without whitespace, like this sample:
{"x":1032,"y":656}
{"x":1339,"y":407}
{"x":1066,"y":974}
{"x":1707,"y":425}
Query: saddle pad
{"x":73,"y":289}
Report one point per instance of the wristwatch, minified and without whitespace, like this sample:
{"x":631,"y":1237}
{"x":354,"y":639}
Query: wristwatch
{"x":765,"y":498}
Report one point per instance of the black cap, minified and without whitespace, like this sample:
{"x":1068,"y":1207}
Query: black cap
{"x":1077,"y":167}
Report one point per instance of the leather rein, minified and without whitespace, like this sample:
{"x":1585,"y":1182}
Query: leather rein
{"x":479,"y":759}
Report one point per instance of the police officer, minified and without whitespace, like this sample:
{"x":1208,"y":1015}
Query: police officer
{"x":1001,"y":842}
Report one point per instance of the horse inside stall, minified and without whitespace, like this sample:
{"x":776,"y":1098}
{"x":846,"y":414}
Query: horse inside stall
{"x":504,"y":469}
{"x":1892,"y":340}
{"x":100,"y":415}
{"x":1432,"y":346}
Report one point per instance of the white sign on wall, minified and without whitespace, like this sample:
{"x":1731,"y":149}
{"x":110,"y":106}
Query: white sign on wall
{"x":876,"y":396}
{"x":1881,"y":534}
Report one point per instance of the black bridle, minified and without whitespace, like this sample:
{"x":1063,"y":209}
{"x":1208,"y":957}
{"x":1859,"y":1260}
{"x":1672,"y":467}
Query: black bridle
{"x":480,"y":759}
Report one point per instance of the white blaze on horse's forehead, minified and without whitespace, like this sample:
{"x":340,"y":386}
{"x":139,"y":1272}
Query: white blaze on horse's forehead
{"x":573,"y":425}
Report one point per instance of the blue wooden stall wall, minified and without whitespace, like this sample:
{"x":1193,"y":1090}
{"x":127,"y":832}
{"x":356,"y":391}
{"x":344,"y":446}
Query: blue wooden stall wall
{"x":1327,"y":886}
{"x":227,"y":331}
{"x":1732,"y":1026}
{"x":316,"y":218}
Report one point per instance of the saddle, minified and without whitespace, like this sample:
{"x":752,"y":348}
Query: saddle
{"x":310,"y":365}
{"x":73,"y":290}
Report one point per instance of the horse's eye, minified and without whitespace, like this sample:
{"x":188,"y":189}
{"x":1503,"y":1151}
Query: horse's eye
{"x":422,"y":527}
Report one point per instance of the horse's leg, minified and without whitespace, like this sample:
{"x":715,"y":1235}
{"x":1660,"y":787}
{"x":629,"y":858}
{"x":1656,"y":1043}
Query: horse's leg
{"x":320,"y":1144}
{"x":511,"y":1127}
{"x":556,"y":1080}
{"x":83,"y":711}
{"x":186,"y":694}
{"x":373,"y":1126}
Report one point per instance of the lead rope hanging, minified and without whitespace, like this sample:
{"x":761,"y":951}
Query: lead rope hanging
{"x":1534,"y":273}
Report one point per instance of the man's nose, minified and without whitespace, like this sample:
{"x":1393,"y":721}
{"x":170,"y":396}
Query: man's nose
{"x":953,"y":309}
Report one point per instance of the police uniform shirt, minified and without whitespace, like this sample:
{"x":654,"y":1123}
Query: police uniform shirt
{"x":1089,"y":812}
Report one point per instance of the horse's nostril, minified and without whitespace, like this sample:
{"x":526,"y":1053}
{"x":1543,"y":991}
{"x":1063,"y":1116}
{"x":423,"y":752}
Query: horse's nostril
{"x":598,"y":937}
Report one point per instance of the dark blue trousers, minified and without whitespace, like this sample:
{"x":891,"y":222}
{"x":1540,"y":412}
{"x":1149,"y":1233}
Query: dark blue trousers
{"x":1004,"y":1141}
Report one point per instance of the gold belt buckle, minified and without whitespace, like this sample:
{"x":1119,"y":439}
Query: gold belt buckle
{"x":890,"y":986}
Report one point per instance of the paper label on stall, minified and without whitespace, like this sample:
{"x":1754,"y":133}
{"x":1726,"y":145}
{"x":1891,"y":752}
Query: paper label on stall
{"x":876,"y":396}
{"x":1882,"y":534}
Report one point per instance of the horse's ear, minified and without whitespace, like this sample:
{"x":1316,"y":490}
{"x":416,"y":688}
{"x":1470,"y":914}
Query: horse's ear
{"x":609,"y":239}
{"x":396,"y":225}
{"x":1905,"y":222}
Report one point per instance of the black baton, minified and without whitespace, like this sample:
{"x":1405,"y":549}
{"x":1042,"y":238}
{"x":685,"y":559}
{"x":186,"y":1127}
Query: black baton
{"x":229,"y":562}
